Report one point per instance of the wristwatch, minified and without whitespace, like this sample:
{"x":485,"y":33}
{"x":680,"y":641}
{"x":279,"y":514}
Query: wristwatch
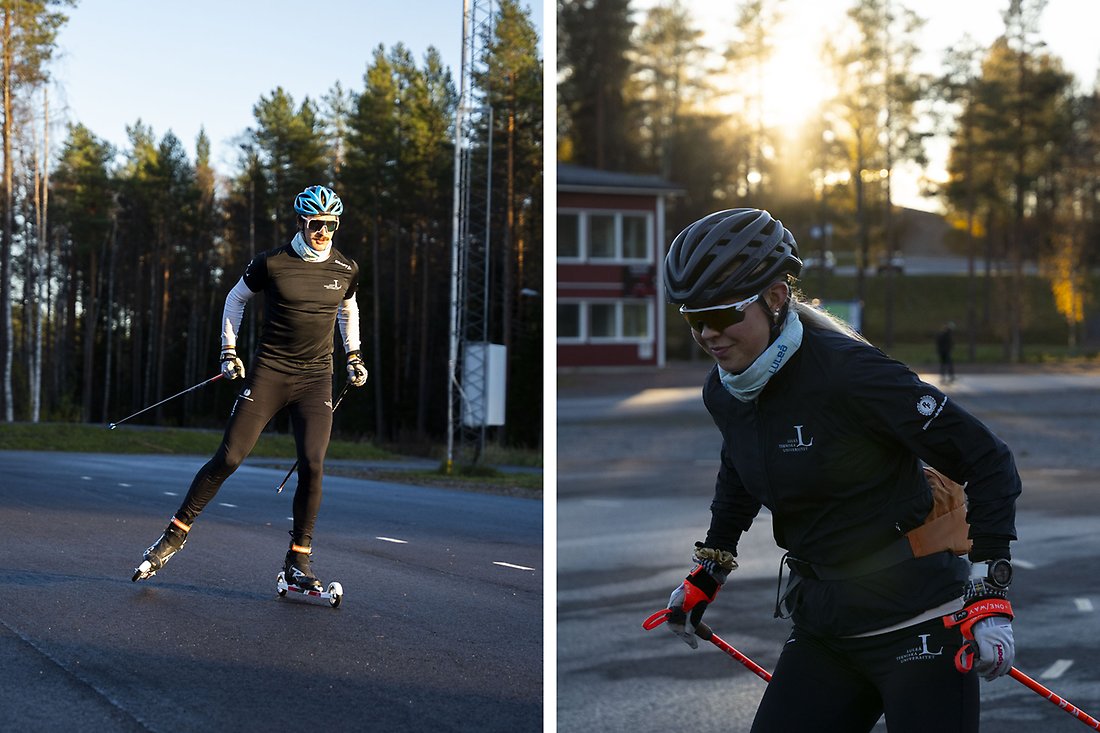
{"x":999,"y":574}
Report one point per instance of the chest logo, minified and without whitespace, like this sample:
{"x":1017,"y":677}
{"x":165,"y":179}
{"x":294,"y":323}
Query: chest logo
{"x":344,"y":265}
{"x":798,"y":444}
{"x":334,"y":286}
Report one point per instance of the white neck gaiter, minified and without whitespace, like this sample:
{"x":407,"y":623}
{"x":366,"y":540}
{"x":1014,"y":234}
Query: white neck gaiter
{"x":749,"y":383}
{"x":307,"y":253}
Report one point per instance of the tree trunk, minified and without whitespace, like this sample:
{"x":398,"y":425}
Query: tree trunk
{"x":5,"y":245}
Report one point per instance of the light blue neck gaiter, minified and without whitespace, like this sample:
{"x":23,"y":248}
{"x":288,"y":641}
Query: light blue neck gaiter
{"x":306,"y":252}
{"x":749,"y":383}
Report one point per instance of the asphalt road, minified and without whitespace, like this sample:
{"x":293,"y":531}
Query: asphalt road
{"x":637,"y":456}
{"x":440,"y":628}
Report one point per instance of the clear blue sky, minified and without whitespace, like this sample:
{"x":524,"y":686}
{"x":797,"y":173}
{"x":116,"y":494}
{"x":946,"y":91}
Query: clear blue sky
{"x":184,"y":64}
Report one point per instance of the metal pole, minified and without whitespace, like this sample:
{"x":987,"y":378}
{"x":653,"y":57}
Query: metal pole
{"x":456,"y":247}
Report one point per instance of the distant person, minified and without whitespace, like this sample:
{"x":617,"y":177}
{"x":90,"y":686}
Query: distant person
{"x":310,"y":288}
{"x":945,"y":344}
{"x":829,"y":434}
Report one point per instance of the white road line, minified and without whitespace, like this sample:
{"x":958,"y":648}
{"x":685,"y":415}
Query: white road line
{"x":391,"y":539}
{"x":231,"y":506}
{"x":1084,"y":605}
{"x":510,"y":565}
{"x":1056,"y":670}
{"x":1024,"y":564}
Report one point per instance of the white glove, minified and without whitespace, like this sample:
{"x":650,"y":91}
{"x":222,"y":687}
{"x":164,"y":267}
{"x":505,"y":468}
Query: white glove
{"x":994,"y":646}
{"x":357,"y":370}
{"x":232,"y":367}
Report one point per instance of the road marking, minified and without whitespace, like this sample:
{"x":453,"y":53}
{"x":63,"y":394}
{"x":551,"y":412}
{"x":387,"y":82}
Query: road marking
{"x":1084,"y":605}
{"x":1056,"y":670}
{"x":1024,"y":564}
{"x":391,"y":539}
{"x":1059,"y":471}
{"x":231,"y":506}
{"x":510,"y":565}
{"x":170,"y":493}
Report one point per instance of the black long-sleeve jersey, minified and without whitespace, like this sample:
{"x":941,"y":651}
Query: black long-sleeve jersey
{"x":832,"y":446}
{"x":300,"y":305}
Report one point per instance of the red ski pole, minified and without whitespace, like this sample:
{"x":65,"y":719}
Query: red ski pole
{"x":704,"y":632}
{"x":1059,"y":701}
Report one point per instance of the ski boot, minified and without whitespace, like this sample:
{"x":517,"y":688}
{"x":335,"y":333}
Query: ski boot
{"x":297,"y":576}
{"x":171,"y":542}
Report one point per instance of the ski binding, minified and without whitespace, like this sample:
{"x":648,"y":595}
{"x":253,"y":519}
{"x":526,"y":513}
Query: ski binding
{"x":333,"y":594}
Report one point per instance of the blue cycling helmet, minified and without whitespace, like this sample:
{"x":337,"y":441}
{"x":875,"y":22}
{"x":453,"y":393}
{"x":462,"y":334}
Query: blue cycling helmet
{"x":317,"y":201}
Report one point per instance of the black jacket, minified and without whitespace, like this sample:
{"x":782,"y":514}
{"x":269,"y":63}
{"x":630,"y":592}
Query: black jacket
{"x":832,"y":447}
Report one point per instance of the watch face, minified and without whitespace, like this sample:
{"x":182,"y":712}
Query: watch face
{"x":1000,"y":572}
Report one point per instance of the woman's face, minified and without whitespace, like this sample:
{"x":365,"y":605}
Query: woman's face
{"x":737,"y":346}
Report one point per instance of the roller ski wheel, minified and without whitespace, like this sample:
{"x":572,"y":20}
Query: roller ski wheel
{"x":333,"y":594}
{"x":143,"y":571}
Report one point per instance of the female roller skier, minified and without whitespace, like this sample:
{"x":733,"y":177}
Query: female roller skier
{"x":829,"y":434}
{"x":309,"y":287}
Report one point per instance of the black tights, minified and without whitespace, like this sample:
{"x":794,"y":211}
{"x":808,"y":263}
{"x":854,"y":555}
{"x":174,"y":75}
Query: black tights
{"x":308,"y":398}
{"x":844,"y":685}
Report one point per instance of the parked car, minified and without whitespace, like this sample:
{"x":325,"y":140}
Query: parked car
{"x":894,"y":262}
{"x":814,"y":261}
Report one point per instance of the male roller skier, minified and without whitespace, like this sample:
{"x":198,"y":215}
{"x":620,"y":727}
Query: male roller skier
{"x":310,"y":287}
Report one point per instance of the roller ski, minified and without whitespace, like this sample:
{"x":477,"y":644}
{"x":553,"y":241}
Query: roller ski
{"x":297,"y":577}
{"x":171,"y":542}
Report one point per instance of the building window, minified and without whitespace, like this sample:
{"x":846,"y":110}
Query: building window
{"x":601,"y":320}
{"x":635,"y":237}
{"x":601,"y":236}
{"x":604,"y":321}
{"x":569,"y":236}
{"x":605,"y":236}
{"x":635,"y":320}
{"x":569,"y":322}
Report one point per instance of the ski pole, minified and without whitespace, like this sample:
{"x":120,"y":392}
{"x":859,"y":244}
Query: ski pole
{"x":1061,"y":702}
{"x":705,"y":633}
{"x":216,"y":377}
{"x":293,"y":468}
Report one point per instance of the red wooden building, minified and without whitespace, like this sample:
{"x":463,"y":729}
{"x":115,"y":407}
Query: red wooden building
{"x":609,"y":244}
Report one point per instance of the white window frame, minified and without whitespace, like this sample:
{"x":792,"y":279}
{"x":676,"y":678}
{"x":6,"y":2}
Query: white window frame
{"x":586,"y":336}
{"x":583,"y":249}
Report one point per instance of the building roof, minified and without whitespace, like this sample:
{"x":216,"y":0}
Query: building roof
{"x":580,"y":179}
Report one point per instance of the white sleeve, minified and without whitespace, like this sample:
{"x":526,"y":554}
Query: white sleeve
{"x":234,"y":313}
{"x":347,"y":316}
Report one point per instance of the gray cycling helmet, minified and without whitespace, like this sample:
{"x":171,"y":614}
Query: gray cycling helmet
{"x":729,"y":253}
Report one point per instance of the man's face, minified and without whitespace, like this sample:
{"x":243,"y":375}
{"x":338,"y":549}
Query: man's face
{"x":318,"y":230}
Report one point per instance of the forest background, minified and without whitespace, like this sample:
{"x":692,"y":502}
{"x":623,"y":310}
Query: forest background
{"x":116,"y":260}
{"x":665,"y":88}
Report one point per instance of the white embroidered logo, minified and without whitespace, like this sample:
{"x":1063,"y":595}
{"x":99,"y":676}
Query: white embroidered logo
{"x":342,"y":264}
{"x":335,"y":285}
{"x":927,"y":405}
{"x":799,"y":444}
